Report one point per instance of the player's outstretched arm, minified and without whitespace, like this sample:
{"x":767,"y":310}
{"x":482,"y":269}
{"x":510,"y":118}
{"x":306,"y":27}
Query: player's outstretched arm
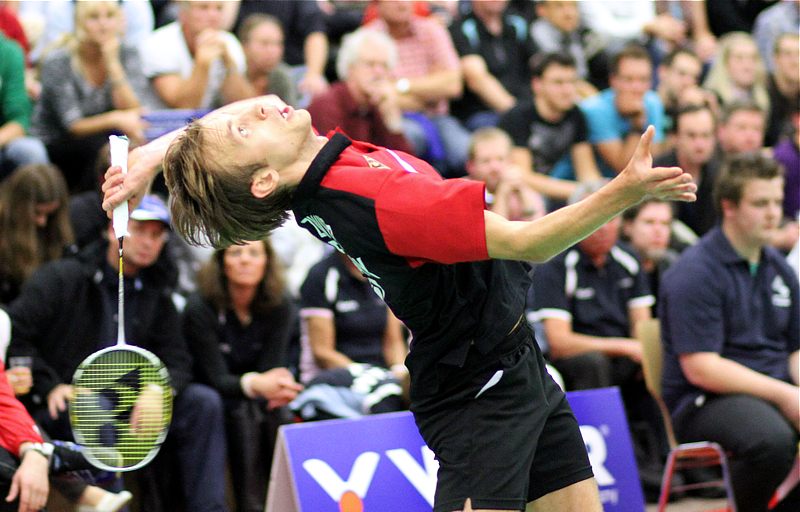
{"x":544,"y":238}
{"x":144,"y":163}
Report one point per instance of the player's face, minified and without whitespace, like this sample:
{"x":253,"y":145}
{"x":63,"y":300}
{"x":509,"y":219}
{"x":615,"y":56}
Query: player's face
{"x":649,"y":231}
{"x":558,"y":86}
{"x":244,"y":265}
{"x":261,"y":131}
{"x":694,"y":139}
{"x":757,"y":216}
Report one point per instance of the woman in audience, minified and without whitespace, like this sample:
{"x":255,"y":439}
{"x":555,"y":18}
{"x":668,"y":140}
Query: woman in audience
{"x":738,"y":72}
{"x":92,"y":85}
{"x":262,"y":36}
{"x":238,"y":326}
{"x":34,"y":224}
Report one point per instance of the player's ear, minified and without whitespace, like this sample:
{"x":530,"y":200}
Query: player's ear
{"x":264,"y":182}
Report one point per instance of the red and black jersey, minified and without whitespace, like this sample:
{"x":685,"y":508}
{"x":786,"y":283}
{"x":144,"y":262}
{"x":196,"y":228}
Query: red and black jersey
{"x":421,"y":242}
{"x":16,"y":425}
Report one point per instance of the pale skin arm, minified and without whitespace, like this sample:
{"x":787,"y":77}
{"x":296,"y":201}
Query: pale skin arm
{"x":716,"y":374}
{"x":394,"y":346}
{"x":315,"y":53}
{"x":322,"y":338}
{"x":235,"y":87}
{"x":564,"y":342}
{"x":543,"y":238}
{"x":177,"y":92}
{"x":434,"y":86}
{"x":545,"y":185}
{"x":636,"y":315}
{"x":484,"y":84}
{"x":10,"y":131}
{"x":30,"y":482}
{"x":794,"y":366}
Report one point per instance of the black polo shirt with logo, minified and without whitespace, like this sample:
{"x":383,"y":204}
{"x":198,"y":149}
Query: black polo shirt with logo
{"x":710,"y":301}
{"x":421,"y":242}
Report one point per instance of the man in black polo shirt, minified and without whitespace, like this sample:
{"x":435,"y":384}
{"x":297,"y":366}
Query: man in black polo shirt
{"x":499,"y":426}
{"x":730,"y":316}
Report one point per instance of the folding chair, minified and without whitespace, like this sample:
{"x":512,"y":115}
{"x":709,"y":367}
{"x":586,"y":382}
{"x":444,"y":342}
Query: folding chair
{"x":683,"y":455}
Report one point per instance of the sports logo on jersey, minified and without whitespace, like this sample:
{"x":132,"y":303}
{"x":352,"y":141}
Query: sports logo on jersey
{"x":374,"y":163}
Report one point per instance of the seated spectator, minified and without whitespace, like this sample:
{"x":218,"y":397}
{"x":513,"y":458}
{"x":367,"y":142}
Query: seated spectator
{"x":507,"y":193}
{"x":783,"y":86}
{"x":771,"y":24}
{"x":262,"y":40}
{"x":27,"y":463}
{"x":787,"y":153}
{"x":34,"y":225}
{"x":306,"y":40}
{"x":344,"y":321}
{"x":237,"y":326}
{"x":694,"y":153}
{"x":364,"y":103}
{"x":678,"y":71}
{"x":589,"y":300}
{"x":550,"y":134}
{"x":617,"y":116}
{"x":494,"y":47}
{"x":742,"y":125}
{"x":16,"y":148}
{"x":646,"y":228}
{"x":192,"y":63}
{"x":738,"y":72}
{"x":65,"y":313}
{"x":730,"y":324}
{"x":557,"y":29}
{"x":92,"y":86}
{"x":59,"y":19}
{"x":429,"y":75}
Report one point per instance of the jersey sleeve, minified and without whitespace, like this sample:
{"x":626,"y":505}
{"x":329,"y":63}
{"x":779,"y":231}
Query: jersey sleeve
{"x":433,"y":220}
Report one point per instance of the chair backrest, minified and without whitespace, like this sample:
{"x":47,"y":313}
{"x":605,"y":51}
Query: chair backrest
{"x":648,"y":332}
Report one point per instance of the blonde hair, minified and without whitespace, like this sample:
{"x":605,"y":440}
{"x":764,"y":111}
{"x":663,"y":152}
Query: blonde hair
{"x":719,"y":79}
{"x":487,"y":134}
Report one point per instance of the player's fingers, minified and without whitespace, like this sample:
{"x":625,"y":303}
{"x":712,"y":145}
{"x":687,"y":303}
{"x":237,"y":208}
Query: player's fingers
{"x":14,"y":491}
{"x":643,"y":147}
{"x":111,"y":172}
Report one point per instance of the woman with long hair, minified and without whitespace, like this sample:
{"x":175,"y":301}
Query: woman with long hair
{"x":238,"y":326}
{"x":34,"y":224}
{"x":738,"y":72}
{"x":92,"y":85}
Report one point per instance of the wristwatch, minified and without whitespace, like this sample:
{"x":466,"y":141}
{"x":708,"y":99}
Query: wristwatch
{"x":403,"y":85}
{"x":45,"y":449}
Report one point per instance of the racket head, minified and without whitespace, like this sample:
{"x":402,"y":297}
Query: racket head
{"x":107,"y":385}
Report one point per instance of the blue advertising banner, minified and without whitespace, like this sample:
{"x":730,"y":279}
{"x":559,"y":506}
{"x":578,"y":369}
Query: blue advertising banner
{"x":380,"y":463}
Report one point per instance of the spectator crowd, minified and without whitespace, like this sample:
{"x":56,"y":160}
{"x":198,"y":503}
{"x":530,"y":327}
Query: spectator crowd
{"x":542,"y":100}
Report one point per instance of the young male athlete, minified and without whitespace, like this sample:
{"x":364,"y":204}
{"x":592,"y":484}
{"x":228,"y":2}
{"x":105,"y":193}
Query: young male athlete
{"x":501,"y":429}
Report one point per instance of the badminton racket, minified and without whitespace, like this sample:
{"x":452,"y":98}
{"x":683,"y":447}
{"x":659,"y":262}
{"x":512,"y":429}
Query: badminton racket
{"x":122,"y":400}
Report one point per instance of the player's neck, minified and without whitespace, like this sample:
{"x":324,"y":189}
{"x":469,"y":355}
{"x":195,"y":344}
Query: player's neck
{"x":293,"y":173}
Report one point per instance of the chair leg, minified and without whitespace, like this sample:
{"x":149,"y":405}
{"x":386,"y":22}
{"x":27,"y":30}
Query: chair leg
{"x":666,"y":482}
{"x":726,"y":477}
{"x":791,"y":480}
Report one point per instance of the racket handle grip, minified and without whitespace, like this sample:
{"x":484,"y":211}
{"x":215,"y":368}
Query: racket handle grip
{"x":119,"y":156}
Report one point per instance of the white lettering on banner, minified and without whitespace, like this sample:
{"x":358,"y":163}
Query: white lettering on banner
{"x":358,"y":482}
{"x":596,"y":448}
{"x":423,"y":479}
{"x":364,"y":468}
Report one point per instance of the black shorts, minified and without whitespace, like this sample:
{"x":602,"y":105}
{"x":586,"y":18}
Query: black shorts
{"x":504,"y":435}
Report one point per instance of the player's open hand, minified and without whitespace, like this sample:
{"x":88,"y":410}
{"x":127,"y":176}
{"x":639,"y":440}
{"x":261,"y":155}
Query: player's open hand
{"x":666,"y":183}
{"x":30,"y":483}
